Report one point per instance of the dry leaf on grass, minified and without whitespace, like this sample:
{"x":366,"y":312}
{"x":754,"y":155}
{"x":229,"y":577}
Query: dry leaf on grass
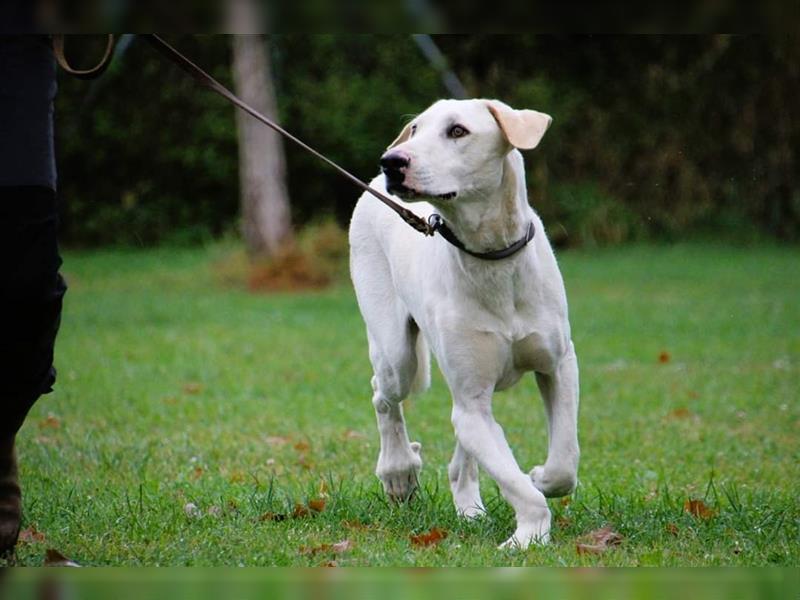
{"x":598,"y":541}
{"x":563,"y":522}
{"x":663,"y":357}
{"x":672,"y":529}
{"x":271,"y":516}
{"x":337,"y":548}
{"x":54,"y":558}
{"x":352,"y":434}
{"x":237,"y":476}
{"x":698,"y":508}
{"x":31,"y":535}
{"x":276,"y":440}
{"x":679,"y":413}
{"x":317,"y":504}
{"x":299,"y":511}
{"x":50,"y":422}
{"x":197,"y":472}
{"x":302,"y":446}
{"x":434,"y":536}
{"x":192,"y":387}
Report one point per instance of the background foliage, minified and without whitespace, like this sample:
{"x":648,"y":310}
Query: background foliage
{"x":653,"y":137}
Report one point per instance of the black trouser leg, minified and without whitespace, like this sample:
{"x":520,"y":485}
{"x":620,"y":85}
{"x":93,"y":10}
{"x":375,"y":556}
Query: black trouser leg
{"x":31,"y":292}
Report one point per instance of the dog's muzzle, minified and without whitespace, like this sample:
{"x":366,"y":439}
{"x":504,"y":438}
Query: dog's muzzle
{"x":393,"y":165}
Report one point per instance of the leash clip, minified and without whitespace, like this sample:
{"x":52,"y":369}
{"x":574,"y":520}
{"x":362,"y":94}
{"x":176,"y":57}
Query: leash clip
{"x":435,"y":221}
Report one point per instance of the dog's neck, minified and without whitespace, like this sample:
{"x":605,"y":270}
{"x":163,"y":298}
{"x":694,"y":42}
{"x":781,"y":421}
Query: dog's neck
{"x":494,"y":218}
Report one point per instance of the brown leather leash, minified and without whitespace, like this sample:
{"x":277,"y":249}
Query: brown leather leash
{"x":204,"y":79}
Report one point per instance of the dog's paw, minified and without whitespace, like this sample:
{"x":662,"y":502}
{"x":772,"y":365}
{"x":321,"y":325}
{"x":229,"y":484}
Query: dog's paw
{"x":527,"y":535}
{"x":553,"y":482}
{"x":400,"y":473}
{"x":476,"y":510}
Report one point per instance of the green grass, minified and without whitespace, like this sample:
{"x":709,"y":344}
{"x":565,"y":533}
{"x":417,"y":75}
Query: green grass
{"x":174,"y":389}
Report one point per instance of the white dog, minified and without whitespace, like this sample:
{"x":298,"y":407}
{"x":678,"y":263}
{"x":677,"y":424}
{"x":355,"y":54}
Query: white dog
{"x":486,"y":321}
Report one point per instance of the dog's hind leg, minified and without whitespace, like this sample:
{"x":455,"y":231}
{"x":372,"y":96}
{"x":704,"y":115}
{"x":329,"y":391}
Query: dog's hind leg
{"x":463,"y":475}
{"x":558,"y":476}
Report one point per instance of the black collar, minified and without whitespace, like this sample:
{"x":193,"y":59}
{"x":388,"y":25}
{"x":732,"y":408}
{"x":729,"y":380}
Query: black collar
{"x":436,"y":223}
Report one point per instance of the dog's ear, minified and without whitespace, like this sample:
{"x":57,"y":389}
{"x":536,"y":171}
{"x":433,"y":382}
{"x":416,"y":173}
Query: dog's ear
{"x":524,"y":129}
{"x":404,"y":135}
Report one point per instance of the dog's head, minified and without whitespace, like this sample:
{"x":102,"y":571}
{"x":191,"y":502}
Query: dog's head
{"x":456,"y":148}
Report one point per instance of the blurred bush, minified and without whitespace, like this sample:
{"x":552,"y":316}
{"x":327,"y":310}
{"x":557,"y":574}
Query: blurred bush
{"x":653,"y":136}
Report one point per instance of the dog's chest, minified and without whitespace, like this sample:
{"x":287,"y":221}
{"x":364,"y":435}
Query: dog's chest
{"x":522,"y":318}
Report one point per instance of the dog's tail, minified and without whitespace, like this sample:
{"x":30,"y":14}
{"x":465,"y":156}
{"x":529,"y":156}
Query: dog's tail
{"x":422,"y":378}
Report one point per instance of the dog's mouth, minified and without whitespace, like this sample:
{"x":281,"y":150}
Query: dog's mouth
{"x":407,"y":193}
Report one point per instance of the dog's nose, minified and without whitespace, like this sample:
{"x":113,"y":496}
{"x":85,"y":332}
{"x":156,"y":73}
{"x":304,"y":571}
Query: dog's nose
{"x":395,"y":160}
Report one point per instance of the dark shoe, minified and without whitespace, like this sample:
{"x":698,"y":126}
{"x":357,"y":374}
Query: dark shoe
{"x":10,"y":497}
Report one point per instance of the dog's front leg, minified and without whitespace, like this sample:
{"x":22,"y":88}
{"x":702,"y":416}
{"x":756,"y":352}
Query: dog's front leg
{"x":480,"y":435}
{"x":558,"y":476}
{"x":399,"y":461}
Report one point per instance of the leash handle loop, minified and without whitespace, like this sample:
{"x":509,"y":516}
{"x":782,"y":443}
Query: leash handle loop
{"x":94,"y":72}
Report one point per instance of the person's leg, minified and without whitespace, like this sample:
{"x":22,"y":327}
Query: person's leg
{"x":30,"y":313}
{"x":31,"y":289}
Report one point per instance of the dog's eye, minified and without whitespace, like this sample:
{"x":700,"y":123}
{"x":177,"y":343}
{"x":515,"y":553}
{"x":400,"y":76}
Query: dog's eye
{"x":457,"y":131}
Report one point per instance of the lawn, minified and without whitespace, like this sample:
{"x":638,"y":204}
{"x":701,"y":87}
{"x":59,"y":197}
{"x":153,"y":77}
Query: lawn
{"x":198,"y":424}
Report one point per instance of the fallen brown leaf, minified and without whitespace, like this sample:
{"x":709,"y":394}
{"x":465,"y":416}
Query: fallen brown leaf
{"x":50,"y":422}
{"x":590,"y":548}
{"x":679,"y":413}
{"x":317,"y":504}
{"x":192,"y":387}
{"x":663,"y":357}
{"x":337,"y":548}
{"x":342,"y":547}
{"x":237,"y":476}
{"x":271,"y":516}
{"x":299,"y":511}
{"x":598,"y":541}
{"x":563,"y":522}
{"x":276,"y":440}
{"x":31,"y":535}
{"x":302,"y":446}
{"x":698,"y":508}
{"x":330,"y":563}
{"x":54,"y":558}
{"x":565,"y":501}
{"x":352,"y":434}
{"x":434,"y":536}
{"x":312,"y":550}
{"x":672,"y":529}
{"x":197,"y":472}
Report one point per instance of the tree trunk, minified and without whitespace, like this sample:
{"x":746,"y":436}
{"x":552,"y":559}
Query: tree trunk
{"x":266,"y":217}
